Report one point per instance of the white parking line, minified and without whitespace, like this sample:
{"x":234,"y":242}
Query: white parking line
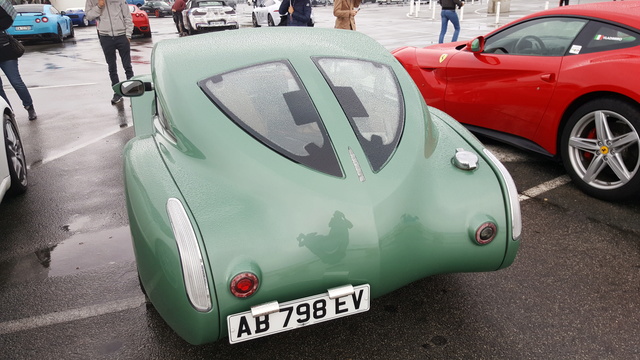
{"x":56,"y":156}
{"x":70,"y":315}
{"x":544,"y":187}
{"x":60,"y":86}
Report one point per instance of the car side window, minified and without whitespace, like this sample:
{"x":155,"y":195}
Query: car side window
{"x":270,"y":103}
{"x":550,"y":36}
{"x":370,"y":97}
{"x":600,"y":36}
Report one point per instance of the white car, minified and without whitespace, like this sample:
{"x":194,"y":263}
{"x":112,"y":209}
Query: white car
{"x":13,"y":166}
{"x":266,"y":12}
{"x":209,"y":15}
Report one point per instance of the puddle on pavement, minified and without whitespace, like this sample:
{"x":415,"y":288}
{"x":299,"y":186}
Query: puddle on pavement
{"x":81,"y":252}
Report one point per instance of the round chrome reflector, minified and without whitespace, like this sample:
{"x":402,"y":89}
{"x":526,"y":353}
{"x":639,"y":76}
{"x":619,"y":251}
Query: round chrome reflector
{"x":486,"y":233}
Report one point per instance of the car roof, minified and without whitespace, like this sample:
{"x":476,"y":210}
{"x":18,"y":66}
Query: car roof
{"x":623,"y":12}
{"x":27,"y":8}
{"x":250,"y":46}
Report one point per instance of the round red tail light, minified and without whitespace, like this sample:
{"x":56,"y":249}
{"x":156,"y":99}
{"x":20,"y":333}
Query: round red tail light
{"x":244,"y":285}
{"x":45,"y":19}
{"x":37,"y":20}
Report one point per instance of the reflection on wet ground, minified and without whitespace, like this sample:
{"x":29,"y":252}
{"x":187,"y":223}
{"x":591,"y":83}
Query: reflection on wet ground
{"x":80,"y":252}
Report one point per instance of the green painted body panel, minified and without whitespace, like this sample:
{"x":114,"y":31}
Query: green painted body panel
{"x":301,"y":231}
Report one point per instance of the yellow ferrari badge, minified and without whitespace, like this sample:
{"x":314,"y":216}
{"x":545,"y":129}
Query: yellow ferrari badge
{"x":442,"y":57}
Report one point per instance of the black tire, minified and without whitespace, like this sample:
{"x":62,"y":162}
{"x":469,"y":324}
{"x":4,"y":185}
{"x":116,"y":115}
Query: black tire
{"x":72,"y":34}
{"x":59,"y":37}
{"x":254,"y":21}
{"x":15,"y":157}
{"x":84,"y":22}
{"x":600,"y":148}
{"x":270,"y":21}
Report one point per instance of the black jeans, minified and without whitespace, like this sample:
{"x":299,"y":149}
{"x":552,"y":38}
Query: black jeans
{"x":177,"y":18}
{"x":109,"y":46}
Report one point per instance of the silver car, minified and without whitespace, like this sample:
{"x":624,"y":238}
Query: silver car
{"x":209,"y":15}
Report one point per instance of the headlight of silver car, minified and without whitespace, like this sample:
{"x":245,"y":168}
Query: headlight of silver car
{"x":193,"y":270}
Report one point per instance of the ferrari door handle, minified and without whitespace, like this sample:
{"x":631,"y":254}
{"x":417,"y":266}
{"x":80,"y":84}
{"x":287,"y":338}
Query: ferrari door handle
{"x":548,"y":77}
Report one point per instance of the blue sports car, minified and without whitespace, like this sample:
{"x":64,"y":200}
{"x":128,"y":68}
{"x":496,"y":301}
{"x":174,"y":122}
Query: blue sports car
{"x":40,"y":22}
{"x":78,"y":17}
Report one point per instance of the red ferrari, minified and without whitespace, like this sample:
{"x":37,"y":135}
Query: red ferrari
{"x":140,"y":22}
{"x":564,"y":82}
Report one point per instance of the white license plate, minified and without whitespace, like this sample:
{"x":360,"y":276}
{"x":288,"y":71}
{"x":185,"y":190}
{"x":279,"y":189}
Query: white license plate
{"x":216,"y":23}
{"x":297,"y":313}
{"x":23,"y":27}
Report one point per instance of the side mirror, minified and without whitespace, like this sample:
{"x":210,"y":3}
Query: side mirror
{"x":132,"y":88}
{"x":63,"y":13}
{"x":476,"y":45}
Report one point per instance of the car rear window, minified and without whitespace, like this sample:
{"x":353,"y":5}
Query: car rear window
{"x":371,"y":99}
{"x":269,"y":102}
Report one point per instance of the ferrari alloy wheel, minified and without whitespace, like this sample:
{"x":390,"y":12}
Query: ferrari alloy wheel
{"x":85,"y":22}
{"x":254,"y":20}
{"x":600,"y":148}
{"x":72,"y":34}
{"x":270,"y":21}
{"x":15,"y":157}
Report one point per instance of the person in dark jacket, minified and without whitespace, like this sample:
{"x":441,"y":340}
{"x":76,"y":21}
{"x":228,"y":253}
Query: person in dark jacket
{"x":177,"y":9}
{"x":10,"y":66}
{"x":299,"y":12}
{"x":447,"y":14}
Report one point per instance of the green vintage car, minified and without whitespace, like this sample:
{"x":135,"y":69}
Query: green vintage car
{"x":274,"y":187}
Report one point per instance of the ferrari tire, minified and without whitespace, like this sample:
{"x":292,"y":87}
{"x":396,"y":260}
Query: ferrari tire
{"x":84,"y":22}
{"x":600,"y":148}
{"x":72,"y":34}
{"x":15,"y":157}
{"x":270,"y":20}
{"x":254,"y":21}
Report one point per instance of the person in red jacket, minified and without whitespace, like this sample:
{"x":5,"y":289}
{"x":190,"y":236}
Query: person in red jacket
{"x":177,"y":8}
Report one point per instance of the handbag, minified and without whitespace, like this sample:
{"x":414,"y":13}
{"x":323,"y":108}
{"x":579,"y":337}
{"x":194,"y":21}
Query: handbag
{"x":10,"y":48}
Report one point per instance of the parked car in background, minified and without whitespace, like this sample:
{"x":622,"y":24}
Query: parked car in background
{"x":78,"y":17}
{"x":157,"y":8}
{"x":266,"y":13}
{"x":13,"y":166}
{"x":40,"y":22}
{"x":137,"y":3}
{"x":140,"y":19}
{"x":274,"y":187}
{"x":561,"y":82}
{"x":209,"y":15}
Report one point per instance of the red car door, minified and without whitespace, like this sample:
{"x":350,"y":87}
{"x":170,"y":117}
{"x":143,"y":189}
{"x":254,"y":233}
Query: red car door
{"x":507,"y":93}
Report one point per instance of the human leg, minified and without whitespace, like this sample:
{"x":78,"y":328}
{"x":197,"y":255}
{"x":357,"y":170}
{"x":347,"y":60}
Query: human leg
{"x":456,"y":25}
{"x":109,"y":50}
{"x":443,"y":26}
{"x":124,"y":50}
{"x":10,"y":68}
{"x":176,"y":19}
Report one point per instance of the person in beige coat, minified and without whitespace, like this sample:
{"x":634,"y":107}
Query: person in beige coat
{"x":345,"y":12}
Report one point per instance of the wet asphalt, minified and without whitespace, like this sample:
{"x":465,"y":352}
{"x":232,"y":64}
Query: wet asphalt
{"x":68,"y":283}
